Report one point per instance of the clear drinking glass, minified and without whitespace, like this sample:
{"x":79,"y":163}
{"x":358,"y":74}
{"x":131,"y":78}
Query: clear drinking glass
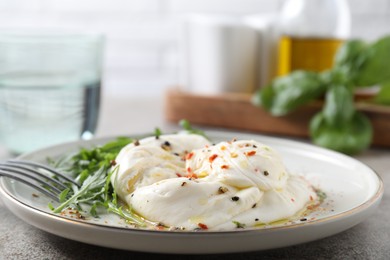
{"x":49,"y":88}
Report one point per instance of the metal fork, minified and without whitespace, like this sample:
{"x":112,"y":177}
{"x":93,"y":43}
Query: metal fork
{"x":38,"y":176}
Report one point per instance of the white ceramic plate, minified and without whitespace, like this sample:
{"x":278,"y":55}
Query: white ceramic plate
{"x":353,"y":192}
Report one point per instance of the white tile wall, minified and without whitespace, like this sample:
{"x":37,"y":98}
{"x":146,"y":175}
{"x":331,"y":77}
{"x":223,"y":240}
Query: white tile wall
{"x":141,"y":52}
{"x":224,"y":6}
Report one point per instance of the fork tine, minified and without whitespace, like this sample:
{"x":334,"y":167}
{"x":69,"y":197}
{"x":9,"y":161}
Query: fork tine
{"x":9,"y":166}
{"x":32,"y":177}
{"x":29,"y":183}
{"x":38,"y":165}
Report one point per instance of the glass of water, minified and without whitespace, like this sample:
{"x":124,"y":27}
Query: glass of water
{"x":49,"y":88}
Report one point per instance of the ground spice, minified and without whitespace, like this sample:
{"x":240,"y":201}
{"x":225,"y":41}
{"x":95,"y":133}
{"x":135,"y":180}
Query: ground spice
{"x":222,"y":190}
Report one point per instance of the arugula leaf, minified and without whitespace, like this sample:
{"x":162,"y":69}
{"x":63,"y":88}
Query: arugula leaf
{"x":92,"y":168}
{"x":115,"y":146}
{"x":127,"y":214}
{"x":157,"y":132}
{"x":63,"y":194}
{"x":91,"y":188}
{"x":239,"y":224}
{"x":289,"y":92}
{"x":81,"y":164}
{"x":186,"y":125}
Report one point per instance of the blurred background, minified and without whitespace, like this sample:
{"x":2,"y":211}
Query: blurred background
{"x":141,"y":52}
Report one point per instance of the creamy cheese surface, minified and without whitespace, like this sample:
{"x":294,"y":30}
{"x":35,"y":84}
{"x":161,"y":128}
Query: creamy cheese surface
{"x":184,"y":181}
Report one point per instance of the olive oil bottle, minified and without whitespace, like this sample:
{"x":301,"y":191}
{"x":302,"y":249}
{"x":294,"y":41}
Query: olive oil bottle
{"x":311,"y":33}
{"x":315,"y":54}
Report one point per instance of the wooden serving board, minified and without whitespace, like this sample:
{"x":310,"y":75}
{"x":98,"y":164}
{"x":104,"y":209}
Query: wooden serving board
{"x":235,"y":111}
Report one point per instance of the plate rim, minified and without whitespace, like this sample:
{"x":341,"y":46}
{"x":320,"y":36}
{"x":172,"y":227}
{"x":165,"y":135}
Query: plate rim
{"x":377,"y":196}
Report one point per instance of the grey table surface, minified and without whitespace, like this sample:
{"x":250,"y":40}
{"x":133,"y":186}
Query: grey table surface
{"x":367,"y":240}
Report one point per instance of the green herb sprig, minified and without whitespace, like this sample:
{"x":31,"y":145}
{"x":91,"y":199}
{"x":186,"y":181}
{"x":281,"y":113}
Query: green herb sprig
{"x":339,"y":126}
{"x":92,"y":168}
{"x":186,"y":125}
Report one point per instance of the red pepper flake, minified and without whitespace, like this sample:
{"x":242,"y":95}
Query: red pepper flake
{"x":251,"y":153}
{"x":212,"y":157}
{"x":203,"y":226}
{"x":192,"y":176}
{"x":160,"y":227}
{"x":189,"y":156}
{"x":225,"y":167}
{"x":292,"y":199}
{"x":183,"y":183}
{"x":178,"y":175}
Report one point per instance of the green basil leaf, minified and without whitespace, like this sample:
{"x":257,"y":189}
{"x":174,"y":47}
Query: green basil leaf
{"x":289,"y":92}
{"x":375,"y":69}
{"x":383,"y":96}
{"x":349,"y":51}
{"x":350,"y":137}
{"x":350,"y":57}
{"x":264,"y":97}
{"x":339,"y":105}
